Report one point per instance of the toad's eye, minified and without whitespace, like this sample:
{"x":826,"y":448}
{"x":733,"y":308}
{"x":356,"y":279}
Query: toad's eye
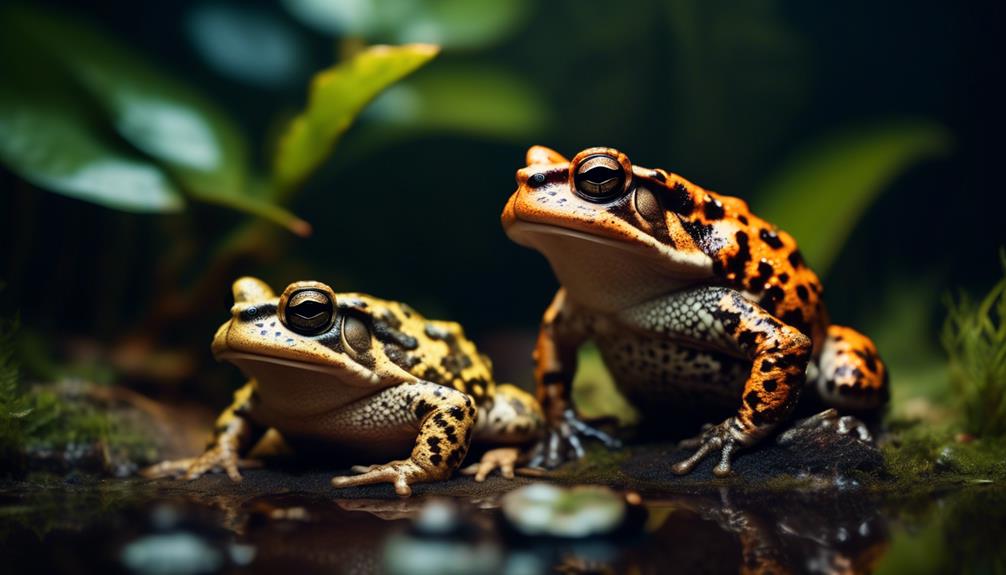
{"x":599,"y":178}
{"x":309,"y":311}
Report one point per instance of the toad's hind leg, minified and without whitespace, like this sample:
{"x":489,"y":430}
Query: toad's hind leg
{"x":851,"y":375}
{"x":510,"y":417}
{"x":445,"y":418}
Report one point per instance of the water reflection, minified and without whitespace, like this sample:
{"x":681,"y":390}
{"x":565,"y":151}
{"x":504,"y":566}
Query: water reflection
{"x":86,"y":529}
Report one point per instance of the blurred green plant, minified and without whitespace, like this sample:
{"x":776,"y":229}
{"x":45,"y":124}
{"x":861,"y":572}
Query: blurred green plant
{"x":182,"y":138}
{"x":974,"y":336}
{"x":14,"y":406}
{"x":479,"y":101}
{"x":450,"y":23}
{"x":33,"y":419}
{"x":337,"y":96}
{"x":821,"y":193}
{"x":50,"y":137}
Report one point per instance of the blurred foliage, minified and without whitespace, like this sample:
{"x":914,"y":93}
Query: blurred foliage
{"x":49,"y":137}
{"x":337,"y":97}
{"x":34,"y":419}
{"x":820,"y":194}
{"x":247,"y":43}
{"x":974,"y":337}
{"x":594,"y":391}
{"x":159,"y":115}
{"x":14,"y":406}
{"x":450,"y":23}
{"x":476,"y":101}
{"x":902,"y":331}
{"x":738,"y":79}
{"x":168,"y":121}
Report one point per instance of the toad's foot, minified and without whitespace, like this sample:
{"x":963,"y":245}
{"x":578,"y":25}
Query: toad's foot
{"x":502,"y":458}
{"x":215,"y":459}
{"x":828,"y":419}
{"x":562,"y":442}
{"x":726,"y":437}
{"x":401,"y":474}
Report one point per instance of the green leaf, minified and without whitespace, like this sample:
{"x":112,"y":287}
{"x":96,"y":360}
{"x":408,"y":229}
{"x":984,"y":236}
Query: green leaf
{"x":337,"y":96}
{"x":450,"y":23}
{"x":821,"y":193}
{"x":48,"y":138}
{"x":165,"y":119}
{"x":56,"y":150}
{"x":477,"y":101}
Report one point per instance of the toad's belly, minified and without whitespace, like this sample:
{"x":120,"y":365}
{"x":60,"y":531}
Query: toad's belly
{"x":343,"y":431}
{"x":663,"y":376}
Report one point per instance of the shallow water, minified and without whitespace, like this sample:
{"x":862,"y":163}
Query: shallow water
{"x":125,"y":525}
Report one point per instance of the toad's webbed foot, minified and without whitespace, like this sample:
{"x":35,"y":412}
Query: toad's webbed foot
{"x":214,"y":459}
{"x":563,"y":441}
{"x":402,"y":474}
{"x":502,"y":458}
{"x":828,"y":419}
{"x":727,"y":437}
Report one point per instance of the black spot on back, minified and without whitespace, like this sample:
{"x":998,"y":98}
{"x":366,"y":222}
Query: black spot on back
{"x":802,"y":293}
{"x":795,"y":258}
{"x":713,"y":208}
{"x":771,"y":238}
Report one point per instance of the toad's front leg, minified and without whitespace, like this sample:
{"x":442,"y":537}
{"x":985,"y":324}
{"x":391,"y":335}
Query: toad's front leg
{"x":779,"y":353}
{"x":445,"y":418}
{"x":563,"y":329}
{"x":234,"y":434}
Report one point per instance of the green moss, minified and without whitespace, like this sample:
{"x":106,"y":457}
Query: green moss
{"x":43,"y":419}
{"x":600,"y":465}
{"x":974,"y":336}
{"x":14,"y":406}
{"x":921,"y":456}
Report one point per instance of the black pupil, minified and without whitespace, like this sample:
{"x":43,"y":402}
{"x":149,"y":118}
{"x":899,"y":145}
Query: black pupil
{"x":600,"y":175}
{"x":310,"y":309}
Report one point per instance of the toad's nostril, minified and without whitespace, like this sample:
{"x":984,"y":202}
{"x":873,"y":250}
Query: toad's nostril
{"x":536,"y":180}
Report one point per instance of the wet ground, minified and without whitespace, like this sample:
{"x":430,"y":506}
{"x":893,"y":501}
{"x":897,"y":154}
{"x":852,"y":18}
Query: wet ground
{"x":815,"y":517}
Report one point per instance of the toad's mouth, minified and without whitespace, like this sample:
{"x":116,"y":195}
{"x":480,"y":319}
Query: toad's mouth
{"x":345,"y":373}
{"x":521,"y":230}
{"x":529,"y":233}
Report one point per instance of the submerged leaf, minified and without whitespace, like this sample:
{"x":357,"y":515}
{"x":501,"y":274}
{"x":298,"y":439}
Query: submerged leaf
{"x":819,"y":196}
{"x":337,"y":97}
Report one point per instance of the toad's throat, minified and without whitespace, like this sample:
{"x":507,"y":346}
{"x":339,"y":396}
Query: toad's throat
{"x":350,"y":374}
{"x":296,"y":392}
{"x":606,"y":274}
